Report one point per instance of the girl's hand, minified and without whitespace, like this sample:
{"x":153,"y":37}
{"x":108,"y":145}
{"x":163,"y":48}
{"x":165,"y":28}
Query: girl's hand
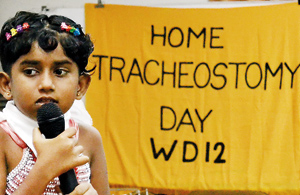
{"x":84,"y":189}
{"x":59,"y":154}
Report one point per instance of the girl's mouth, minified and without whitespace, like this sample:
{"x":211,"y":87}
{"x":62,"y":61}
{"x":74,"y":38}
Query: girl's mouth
{"x":45,"y":100}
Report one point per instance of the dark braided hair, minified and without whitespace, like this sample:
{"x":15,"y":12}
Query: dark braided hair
{"x":48,"y":33}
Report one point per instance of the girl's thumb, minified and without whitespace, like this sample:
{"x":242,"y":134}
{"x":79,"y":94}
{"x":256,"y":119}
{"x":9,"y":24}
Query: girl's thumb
{"x":37,"y":135}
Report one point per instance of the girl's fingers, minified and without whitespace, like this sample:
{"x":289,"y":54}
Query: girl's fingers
{"x":70,"y":132}
{"x":64,"y":148}
{"x":84,"y":189}
{"x":80,"y":189}
{"x":78,"y":149}
{"x":37,"y":135}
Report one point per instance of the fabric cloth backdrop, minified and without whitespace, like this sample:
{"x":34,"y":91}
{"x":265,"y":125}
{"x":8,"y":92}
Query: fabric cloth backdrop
{"x":197,"y":98}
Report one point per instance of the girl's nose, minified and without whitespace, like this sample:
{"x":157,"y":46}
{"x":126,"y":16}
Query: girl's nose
{"x":46,"y":82}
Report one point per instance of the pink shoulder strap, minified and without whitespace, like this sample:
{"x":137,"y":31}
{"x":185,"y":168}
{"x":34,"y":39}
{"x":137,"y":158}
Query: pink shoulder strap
{"x":4,"y":125}
{"x":72,"y":123}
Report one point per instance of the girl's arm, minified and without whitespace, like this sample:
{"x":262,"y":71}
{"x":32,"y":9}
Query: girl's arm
{"x":3,"y":171}
{"x":55,"y":156}
{"x":91,"y":140}
{"x":30,"y":185}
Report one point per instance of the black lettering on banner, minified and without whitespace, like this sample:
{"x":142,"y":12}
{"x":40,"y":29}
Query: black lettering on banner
{"x":246,"y":75}
{"x":207,"y":151}
{"x":187,"y":75}
{"x":237,"y":71}
{"x":158,"y":35}
{"x":219,"y":157}
{"x":180,"y":74}
{"x":162,"y":127}
{"x":209,"y":75}
{"x":100,"y":64}
{"x":192,"y":147}
{"x":292,"y":73}
{"x":172,"y":114}
{"x":181,"y":35}
{"x":186,"y":112}
{"x":185,"y":144}
{"x":164,"y":35}
{"x":215,"y":37}
{"x":139,"y":74}
{"x":219,"y":75}
{"x":146,"y":70}
{"x":162,"y":150}
{"x":168,"y":73}
{"x":268,"y":69}
{"x":117,"y":68}
{"x":202,"y":120}
{"x":203,"y":32}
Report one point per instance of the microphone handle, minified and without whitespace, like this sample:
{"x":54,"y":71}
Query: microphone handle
{"x":68,"y":181}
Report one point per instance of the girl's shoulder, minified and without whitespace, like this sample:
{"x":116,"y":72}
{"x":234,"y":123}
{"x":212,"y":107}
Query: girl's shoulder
{"x":5,"y":139}
{"x":3,"y":170}
{"x":91,"y":140}
{"x":10,"y":156}
{"x":88,"y":131}
{"x":89,"y":137}
{"x":3,"y":134}
{"x":10,"y":149}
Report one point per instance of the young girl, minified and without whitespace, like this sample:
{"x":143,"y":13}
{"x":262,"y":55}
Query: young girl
{"x":44,"y":60}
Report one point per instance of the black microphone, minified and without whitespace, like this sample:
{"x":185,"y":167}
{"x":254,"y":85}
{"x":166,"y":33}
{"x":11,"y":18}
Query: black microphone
{"x":52,"y":123}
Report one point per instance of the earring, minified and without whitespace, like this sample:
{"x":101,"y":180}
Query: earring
{"x":78,"y":93}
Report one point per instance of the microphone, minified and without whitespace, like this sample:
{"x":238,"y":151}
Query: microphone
{"x":52,"y":123}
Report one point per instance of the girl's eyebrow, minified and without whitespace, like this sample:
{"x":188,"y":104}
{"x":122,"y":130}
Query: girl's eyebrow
{"x":63,"y":62}
{"x":30,"y":62}
{"x":36,"y":62}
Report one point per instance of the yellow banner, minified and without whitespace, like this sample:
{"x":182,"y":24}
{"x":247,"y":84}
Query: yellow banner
{"x":197,"y":98}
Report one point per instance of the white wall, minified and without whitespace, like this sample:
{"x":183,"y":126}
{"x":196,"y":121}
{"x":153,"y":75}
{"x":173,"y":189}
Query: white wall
{"x":8,"y":8}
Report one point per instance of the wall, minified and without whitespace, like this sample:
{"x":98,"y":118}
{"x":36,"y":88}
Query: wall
{"x":9,"y":7}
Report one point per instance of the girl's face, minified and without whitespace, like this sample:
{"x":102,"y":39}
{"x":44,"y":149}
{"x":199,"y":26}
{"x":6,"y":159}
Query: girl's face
{"x":41,"y":77}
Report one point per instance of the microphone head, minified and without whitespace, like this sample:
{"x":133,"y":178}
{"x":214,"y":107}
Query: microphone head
{"x":49,"y":110}
{"x":50,"y":119}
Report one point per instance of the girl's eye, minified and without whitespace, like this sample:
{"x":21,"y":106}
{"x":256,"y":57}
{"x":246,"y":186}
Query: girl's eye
{"x":30,"y":71}
{"x":60,"y":72}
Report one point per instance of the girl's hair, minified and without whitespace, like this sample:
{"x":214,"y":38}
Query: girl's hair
{"x":48,"y":33}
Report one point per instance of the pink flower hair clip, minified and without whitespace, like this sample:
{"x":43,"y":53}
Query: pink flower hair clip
{"x":14,"y":31}
{"x":71,"y":29}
